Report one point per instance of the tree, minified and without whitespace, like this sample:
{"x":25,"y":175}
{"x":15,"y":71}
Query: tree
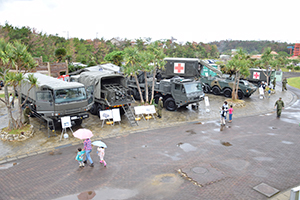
{"x":132,"y":66}
{"x":115,"y":57}
{"x":60,"y":53}
{"x":14,"y":56}
{"x":267,"y":58}
{"x":158,"y":62}
{"x":239,"y":65}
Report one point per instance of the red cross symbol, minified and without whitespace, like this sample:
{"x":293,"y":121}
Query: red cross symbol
{"x":256,"y":75}
{"x":178,"y":67}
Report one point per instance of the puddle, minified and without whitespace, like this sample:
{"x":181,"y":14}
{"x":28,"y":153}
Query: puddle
{"x":187,"y":147}
{"x":174,"y":158}
{"x":8,"y":165}
{"x":271,"y":134}
{"x":287,"y":142}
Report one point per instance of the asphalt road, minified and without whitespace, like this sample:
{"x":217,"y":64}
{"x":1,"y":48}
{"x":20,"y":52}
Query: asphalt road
{"x":190,"y":161}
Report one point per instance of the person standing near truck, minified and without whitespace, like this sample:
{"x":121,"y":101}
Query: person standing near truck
{"x":26,"y":114}
{"x":160,"y":107}
{"x":274,"y":83}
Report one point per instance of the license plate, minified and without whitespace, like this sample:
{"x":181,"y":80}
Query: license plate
{"x":85,"y":116}
{"x":75,"y":117}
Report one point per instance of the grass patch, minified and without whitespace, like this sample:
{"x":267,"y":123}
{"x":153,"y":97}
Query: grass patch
{"x":2,"y":96}
{"x":295,"y":82}
{"x":287,"y":70}
{"x":18,"y":131}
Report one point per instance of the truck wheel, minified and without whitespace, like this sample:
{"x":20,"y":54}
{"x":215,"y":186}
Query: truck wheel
{"x":216,"y":90}
{"x":206,"y":88}
{"x":227,"y":92}
{"x":240,"y":94}
{"x":94,"y":109}
{"x":136,"y":94}
{"x":170,"y":104}
{"x":78,"y":122}
{"x":156,"y":98}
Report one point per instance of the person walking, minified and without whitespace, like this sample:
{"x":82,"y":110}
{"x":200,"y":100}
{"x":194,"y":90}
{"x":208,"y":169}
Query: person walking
{"x":284,"y":82}
{"x":88,"y":149}
{"x":26,"y":114}
{"x":274,"y":83}
{"x":230,"y":110}
{"x":225,"y":105}
{"x":79,"y":157}
{"x":101,"y":153}
{"x":222,"y":116}
{"x":11,"y":100}
{"x":280,"y":105}
{"x":160,"y":107}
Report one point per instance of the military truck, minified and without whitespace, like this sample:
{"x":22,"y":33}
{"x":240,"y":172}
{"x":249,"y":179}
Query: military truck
{"x":258,"y":75}
{"x":52,"y":99}
{"x":218,"y":85}
{"x":176,"y":91}
{"x":109,"y":91}
{"x":223,"y":85}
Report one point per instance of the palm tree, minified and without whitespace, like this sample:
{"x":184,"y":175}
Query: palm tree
{"x":158,"y":62}
{"x":132,"y":66}
{"x":14,"y":57}
{"x":6,"y":61}
{"x":239,"y":64}
{"x":267,"y":58}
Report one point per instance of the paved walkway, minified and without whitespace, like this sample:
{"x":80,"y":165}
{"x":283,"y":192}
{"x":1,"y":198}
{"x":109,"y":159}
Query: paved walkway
{"x":187,"y":123}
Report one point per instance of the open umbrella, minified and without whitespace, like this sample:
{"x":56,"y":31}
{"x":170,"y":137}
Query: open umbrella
{"x":83,"y":133}
{"x":99,"y":144}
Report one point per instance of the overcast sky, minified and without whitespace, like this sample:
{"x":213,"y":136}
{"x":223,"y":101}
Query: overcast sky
{"x":189,"y":20}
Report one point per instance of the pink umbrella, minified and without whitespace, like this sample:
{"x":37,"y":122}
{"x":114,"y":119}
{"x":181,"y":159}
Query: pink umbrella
{"x":83,"y":133}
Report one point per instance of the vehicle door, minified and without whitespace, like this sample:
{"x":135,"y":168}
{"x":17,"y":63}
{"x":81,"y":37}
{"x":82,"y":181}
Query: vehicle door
{"x":178,"y":92}
{"x":90,"y":95}
{"x":44,"y":102}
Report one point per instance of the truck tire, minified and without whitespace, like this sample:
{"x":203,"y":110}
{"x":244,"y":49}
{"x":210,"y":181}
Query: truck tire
{"x":216,"y":90}
{"x":94,"y":109}
{"x":78,"y":122}
{"x":227,"y":92}
{"x":206,"y":88}
{"x":240,"y":94}
{"x":170,"y":104}
{"x":136,"y":94}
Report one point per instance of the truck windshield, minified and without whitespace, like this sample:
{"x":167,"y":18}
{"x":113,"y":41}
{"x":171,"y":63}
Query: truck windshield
{"x":192,"y":87}
{"x":69,"y":95}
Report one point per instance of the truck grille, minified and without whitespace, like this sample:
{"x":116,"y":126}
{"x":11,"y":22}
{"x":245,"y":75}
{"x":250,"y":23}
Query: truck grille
{"x":70,"y":111}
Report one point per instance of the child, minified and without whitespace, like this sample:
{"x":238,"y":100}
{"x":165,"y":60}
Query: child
{"x":101,"y":153}
{"x":230,"y":113}
{"x":79,"y":157}
{"x":223,"y":116}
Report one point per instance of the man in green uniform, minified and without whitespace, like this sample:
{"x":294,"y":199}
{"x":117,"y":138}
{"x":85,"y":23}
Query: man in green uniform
{"x":160,"y":107}
{"x":274,"y":83}
{"x":26,"y":114}
{"x":280,"y":105}
{"x":284,"y":82}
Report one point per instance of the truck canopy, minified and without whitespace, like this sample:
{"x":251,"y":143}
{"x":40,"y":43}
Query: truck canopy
{"x":45,"y":81}
{"x":186,"y":67}
{"x":100,"y":79}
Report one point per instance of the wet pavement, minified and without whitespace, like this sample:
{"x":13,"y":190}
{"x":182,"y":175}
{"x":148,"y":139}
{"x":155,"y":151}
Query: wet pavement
{"x":41,"y":142}
{"x":184,"y":155}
